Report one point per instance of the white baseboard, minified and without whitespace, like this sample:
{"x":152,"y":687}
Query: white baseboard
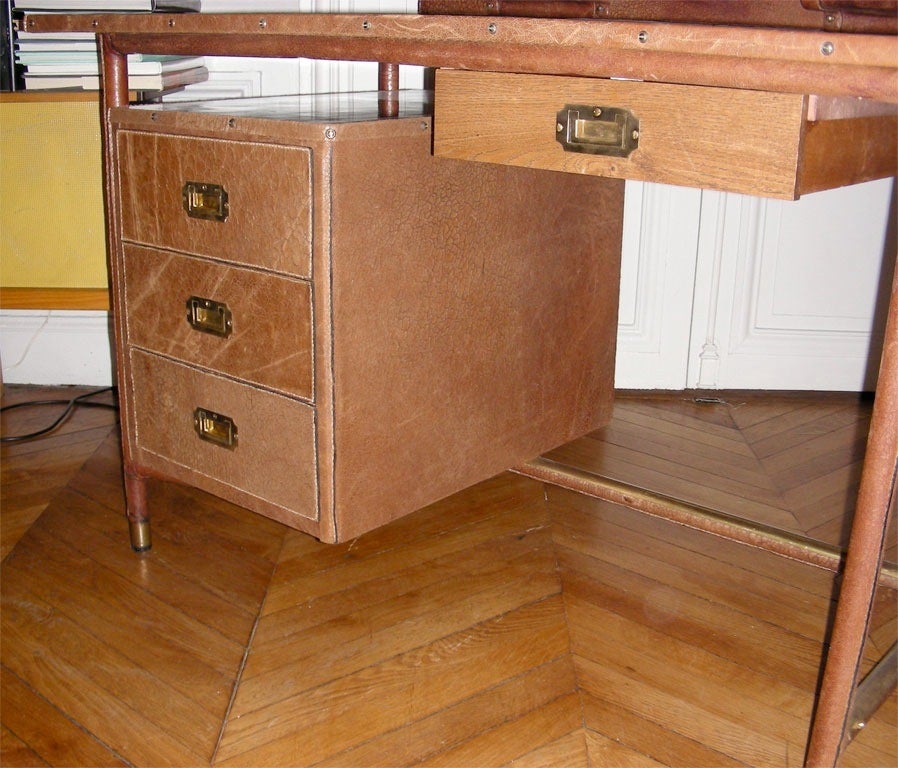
{"x":56,"y":347}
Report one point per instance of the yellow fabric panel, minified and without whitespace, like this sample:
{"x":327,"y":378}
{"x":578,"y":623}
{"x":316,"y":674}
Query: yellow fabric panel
{"x":51,"y":195}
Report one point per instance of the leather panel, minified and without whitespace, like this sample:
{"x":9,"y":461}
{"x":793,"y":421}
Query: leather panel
{"x":271,"y":340}
{"x":474,"y":320}
{"x":268,"y":187}
{"x":274,"y":460}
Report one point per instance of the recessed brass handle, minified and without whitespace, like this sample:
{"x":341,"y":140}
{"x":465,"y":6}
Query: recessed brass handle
{"x":596,"y":130}
{"x":215,"y":428}
{"x":205,"y":201}
{"x":209,"y":316}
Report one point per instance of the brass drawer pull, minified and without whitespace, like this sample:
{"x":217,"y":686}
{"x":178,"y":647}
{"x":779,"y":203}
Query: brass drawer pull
{"x":205,"y":201}
{"x":209,"y":316}
{"x":607,"y":131}
{"x":215,"y":428}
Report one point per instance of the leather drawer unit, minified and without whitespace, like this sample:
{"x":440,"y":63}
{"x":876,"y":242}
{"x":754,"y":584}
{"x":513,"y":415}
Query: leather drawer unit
{"x":344,"y":346}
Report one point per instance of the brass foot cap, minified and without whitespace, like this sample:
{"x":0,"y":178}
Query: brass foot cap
{"x":140,"y":535}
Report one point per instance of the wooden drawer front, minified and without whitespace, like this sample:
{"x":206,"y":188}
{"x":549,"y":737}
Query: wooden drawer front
{"x":269,"y":341}
{"x":717,"y":138}
{"x":268,"y":188}
{"x":274,"y":456}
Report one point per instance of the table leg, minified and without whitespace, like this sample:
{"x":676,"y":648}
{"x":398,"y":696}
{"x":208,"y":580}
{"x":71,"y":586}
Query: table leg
{"x":865,"y":547}
{"x":115,"y":94}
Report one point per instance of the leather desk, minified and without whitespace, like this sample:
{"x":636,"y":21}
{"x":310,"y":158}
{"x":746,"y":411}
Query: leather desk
{"x":825,"y":63}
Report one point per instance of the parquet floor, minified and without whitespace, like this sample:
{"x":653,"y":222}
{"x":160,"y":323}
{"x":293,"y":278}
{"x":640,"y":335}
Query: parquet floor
{"x":508,"y":625}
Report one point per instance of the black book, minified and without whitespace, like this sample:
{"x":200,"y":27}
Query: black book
{"x":11,"y":78}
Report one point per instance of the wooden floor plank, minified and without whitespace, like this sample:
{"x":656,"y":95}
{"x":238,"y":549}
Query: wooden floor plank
{"x":730,"y":497}
{"x":593,"y":515}
{"x":32,"y":472}
{"x":605,"y":751}
{"x":688,"y":719}
{"x":569,"y":751}
{"x":351,"y":644}
{"x":213,"y":603}
{"x":307,"y":728}
{"x":189,"y":656}
{"x":94,"y":685}
{"x":49,"y":737}
{"x":617,"y":733}
{"x":295,"y":577}
{"x":699,"y":574}
{"x":724,"y":631}
{"x":375,"y":605}
{"x":511,"y":624}
{"x":421,"y":739}
{"x":795,"y":427}
{"x":15,"y":753}
{"x":824,"y":452}
{"x":516,"y":738}
{"x":723,"y":686}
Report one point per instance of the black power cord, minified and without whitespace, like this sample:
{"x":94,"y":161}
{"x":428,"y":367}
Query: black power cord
{"x":70,"y":406}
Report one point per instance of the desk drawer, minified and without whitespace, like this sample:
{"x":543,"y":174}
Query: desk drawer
{"x":243,"y":202}
{"x":252,"y":325}
{"x":271,"y":456}
{"x":750,"y":142}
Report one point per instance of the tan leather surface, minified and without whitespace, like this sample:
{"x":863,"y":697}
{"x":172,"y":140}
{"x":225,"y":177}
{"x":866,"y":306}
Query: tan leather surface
{"x":464,"y":321}
{"x":268,"y":189}
{"x":271,"y":339}
{"x":474,"y":319}
{"x":274,"y":460}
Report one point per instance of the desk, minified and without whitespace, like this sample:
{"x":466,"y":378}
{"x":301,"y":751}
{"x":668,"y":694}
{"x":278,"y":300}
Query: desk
{"x":844,"y":66}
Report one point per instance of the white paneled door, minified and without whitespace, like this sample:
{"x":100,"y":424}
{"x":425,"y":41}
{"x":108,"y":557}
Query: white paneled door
{"x":725,"y":291}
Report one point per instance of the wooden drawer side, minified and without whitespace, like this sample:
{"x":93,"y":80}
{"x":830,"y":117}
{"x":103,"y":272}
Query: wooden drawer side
{"x":268,"y":187}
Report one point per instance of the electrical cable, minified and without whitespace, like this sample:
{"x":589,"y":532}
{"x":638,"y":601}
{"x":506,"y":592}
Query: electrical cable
{"x":70,"y":406}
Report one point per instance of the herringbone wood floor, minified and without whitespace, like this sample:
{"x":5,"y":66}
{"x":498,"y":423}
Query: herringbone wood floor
{"x":510,"y":624}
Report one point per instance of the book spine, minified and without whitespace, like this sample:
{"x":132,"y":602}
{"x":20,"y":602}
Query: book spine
{"x":10,"y":72}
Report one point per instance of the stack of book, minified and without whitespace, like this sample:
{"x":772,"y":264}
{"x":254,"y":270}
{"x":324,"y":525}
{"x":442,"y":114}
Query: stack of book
{"x":70,"y":60}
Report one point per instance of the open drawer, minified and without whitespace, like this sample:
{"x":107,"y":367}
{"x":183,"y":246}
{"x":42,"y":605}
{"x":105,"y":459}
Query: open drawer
{"x":752,"y":142}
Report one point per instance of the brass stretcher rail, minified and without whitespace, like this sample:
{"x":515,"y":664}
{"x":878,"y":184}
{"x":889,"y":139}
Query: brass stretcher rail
{"x":788,"y":61}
